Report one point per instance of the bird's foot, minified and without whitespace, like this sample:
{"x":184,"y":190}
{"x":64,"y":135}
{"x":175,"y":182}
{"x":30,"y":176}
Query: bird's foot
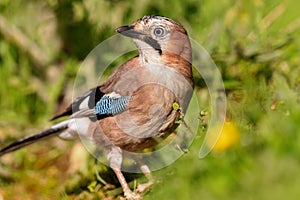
{"x":132,"y":195}
{"x":141,"y":188}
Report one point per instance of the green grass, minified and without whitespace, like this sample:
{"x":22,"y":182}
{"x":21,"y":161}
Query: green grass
{"x":255,"y":45}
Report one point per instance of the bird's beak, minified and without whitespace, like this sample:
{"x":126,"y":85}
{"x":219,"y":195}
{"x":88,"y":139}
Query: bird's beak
{"x":129,"y":31}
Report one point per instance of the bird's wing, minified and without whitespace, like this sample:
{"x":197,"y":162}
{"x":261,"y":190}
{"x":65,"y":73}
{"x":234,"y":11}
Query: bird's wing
{"x":111,"y":104}
{"x":95,"y":103}
{"x":83,"y":104}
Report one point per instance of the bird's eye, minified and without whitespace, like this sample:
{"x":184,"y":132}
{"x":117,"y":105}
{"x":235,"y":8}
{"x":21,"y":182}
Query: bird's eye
{"x":159,"y":32}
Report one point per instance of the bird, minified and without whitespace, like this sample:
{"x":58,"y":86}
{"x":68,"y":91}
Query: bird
{"x":139,"y":104}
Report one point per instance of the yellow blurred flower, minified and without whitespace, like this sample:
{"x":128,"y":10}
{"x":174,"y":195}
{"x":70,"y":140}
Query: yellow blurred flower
{"x":229,"y":135}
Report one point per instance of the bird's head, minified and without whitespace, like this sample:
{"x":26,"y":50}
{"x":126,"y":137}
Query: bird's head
{"x":158,"y":38}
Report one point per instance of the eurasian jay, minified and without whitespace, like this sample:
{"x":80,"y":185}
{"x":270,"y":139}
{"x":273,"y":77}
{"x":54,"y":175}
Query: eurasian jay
{"x":134,"y":108}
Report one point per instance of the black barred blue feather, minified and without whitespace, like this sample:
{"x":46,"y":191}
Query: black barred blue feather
{"x":109,"y":105}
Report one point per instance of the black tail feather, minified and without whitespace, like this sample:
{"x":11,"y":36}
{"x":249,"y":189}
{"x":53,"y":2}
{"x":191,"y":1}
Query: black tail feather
{"x":33,"y":138}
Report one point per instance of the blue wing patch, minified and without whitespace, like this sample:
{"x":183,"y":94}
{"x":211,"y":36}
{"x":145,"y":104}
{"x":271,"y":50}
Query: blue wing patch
{"x":111,"y":104}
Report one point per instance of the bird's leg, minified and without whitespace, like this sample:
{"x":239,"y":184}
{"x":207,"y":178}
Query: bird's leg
{"x":115,"y":160}
{"x":145,"y":186}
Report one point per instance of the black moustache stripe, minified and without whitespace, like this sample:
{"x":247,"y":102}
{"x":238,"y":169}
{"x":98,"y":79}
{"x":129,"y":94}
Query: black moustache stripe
{"x":153,"y":43}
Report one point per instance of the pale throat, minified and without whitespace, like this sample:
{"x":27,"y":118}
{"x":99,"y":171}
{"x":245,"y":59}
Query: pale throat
{"x":147,"y":54}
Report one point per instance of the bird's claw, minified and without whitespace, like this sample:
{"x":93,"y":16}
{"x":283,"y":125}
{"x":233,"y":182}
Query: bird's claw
{"x":128,"y":194}
{"x":144,"y":187}
{"x":132,"y":195}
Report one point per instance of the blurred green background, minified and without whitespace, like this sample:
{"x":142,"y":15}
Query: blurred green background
{"x":256,"y":46}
